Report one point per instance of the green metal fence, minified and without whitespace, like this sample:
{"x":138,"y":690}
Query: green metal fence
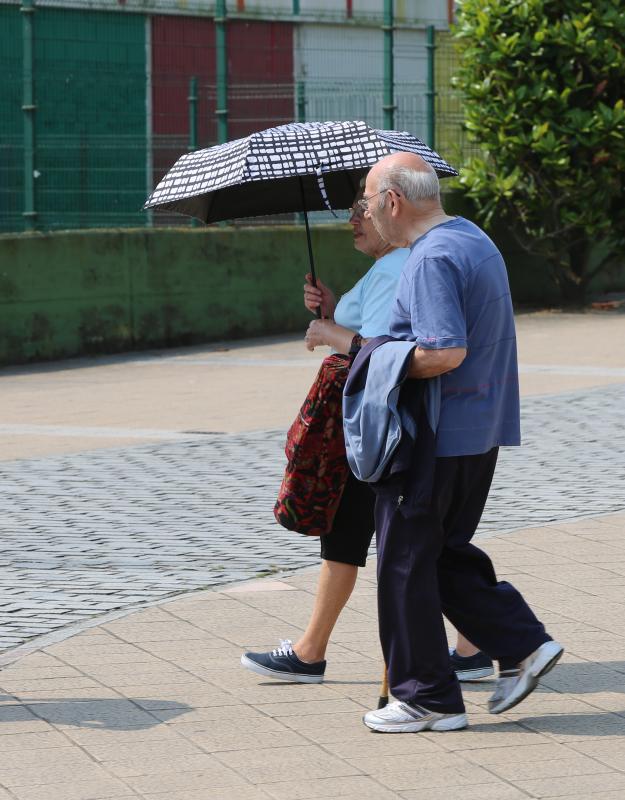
{"x":451,"y":136}
{"x":95,"y":106}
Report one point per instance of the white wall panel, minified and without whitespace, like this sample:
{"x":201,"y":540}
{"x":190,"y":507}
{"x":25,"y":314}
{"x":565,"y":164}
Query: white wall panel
{"x":411,"y":81}
{"x":342,"y":70}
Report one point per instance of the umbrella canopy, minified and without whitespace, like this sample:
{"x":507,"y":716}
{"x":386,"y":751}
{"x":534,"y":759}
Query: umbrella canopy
{"x":308,"y":166}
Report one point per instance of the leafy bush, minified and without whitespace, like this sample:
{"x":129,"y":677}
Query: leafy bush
{"x":543,"y":84}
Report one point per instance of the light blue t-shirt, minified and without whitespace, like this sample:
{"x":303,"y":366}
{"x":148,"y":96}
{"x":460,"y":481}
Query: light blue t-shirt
{"x":366,"y":308}
{"x":454,"y":292}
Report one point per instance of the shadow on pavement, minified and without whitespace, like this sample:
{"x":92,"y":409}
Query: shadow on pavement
{"x":581,"y":677}
{"x":104,"y":714}
{"x":587,"y":677}
{"x":607,"y":723}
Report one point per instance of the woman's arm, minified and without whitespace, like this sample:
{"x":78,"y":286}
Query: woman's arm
{"x":325,"y":332}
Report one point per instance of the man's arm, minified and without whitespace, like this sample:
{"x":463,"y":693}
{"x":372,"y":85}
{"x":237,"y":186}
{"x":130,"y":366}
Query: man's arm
{"x":430,"y":363}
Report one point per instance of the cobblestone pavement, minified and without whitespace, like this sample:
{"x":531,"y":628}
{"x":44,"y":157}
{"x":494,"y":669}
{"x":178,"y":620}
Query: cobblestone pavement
{"x":85,"y":534}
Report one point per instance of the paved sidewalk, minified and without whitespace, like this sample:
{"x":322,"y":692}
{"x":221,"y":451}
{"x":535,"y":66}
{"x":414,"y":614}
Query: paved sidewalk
{"x":87,"y":533}
{"x":127,"y":477}
{"x":85,"y":404}
{"x":155,"y":705}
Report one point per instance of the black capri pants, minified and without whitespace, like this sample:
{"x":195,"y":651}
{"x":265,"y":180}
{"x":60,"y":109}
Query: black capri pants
{"x":348,"y":541}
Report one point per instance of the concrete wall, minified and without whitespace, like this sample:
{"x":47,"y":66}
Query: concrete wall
{"x":79,"y":292}
{"x":71,"y":293}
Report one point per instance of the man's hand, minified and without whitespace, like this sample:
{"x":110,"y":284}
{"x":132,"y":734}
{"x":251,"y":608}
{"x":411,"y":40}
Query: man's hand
{"x":430,"y":363}
{"x":319,"y":297}
{"x":318,"y":333}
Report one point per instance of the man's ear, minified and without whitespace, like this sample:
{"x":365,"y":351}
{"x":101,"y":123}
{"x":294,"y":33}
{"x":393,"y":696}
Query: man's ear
{"x":395,"y":202}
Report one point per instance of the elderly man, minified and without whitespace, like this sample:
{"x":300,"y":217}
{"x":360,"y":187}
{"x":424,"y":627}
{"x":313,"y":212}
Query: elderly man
{"x":453,"y":300}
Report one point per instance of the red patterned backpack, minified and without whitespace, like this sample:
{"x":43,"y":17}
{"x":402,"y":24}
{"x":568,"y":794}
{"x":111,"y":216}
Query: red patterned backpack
{"x":317,"y":467}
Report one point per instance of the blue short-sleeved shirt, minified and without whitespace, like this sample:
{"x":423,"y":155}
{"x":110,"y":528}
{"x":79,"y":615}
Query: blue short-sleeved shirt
{"x":454,"y":292}
{"x":366,"y":308}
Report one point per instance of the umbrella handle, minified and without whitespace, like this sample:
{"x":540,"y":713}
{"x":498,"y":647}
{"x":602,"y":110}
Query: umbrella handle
{"x":309,"y":241}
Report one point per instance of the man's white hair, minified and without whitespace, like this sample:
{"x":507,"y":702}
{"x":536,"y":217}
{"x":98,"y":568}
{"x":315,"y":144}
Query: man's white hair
{"x":414,"y":184}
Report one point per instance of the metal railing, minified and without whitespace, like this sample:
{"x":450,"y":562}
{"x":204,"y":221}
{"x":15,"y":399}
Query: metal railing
{"x":95,"y":106}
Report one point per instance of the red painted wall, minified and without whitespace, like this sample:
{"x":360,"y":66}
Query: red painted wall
{"x":181,"y":48}
{"x":260,"y":63}
{"x":260,"y":81}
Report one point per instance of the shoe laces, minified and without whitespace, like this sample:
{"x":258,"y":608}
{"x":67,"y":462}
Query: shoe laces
{"x":285,"y":649}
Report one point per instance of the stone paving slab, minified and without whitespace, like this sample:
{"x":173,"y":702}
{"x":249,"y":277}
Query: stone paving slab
{"x":94,"y":532}
{"x":156,"y":706}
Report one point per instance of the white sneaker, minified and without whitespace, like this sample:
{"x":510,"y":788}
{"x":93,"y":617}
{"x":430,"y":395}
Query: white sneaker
{"x":514,"y":685}
{"x":400,"y":717}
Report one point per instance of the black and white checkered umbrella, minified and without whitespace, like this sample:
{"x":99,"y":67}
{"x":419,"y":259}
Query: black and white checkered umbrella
{"x":308,"y":166}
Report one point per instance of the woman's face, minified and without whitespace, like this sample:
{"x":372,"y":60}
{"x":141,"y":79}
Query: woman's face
{"x":366,"y":238}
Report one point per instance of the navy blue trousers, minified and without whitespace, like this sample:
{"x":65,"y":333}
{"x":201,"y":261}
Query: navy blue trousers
{"x":428,"y":567}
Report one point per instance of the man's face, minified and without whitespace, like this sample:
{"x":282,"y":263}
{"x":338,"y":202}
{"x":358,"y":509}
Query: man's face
{"x":374,"y":212}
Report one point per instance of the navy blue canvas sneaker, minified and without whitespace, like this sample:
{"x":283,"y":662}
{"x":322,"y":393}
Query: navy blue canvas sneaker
{"x":471,"y":668}
{"x":283,"y":664}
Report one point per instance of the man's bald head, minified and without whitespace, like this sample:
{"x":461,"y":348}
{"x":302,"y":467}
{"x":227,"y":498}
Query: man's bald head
{"x":408,"y":175}
{"x":403,"y":197}
{"x":408,"y":160}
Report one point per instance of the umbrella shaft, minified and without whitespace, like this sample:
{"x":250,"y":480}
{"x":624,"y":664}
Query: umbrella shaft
{"x":309,"y":241}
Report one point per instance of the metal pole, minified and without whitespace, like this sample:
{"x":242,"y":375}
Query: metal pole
{"x":29,"y":108}
{"x":388,"y":106}
{"x":431,"y":87}
{"x":192,"y":100}
{"x":301,"y":101}
{"x":149,"y":119}
{"x":296,"y":8}
{"x":221,"y":54}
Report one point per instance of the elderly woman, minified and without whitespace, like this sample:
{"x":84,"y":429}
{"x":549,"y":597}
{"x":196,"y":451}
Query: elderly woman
{"x":365,"y":309}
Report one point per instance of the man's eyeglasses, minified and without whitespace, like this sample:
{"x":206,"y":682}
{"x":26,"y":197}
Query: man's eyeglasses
{"x":364,"y":201}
